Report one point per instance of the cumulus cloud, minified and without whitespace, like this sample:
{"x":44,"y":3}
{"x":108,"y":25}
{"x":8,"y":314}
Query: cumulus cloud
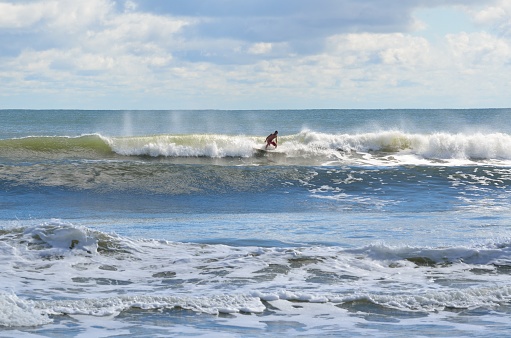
{"x":88,"y":34}
{"x":497,"y":16}
{"x":209,"y":52}
{"x":479,"y":50}
{"x":260,"y":48}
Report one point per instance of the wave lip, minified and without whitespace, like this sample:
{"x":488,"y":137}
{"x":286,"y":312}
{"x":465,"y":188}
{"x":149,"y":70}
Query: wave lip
{"x":306,"y":144}
{"x":194,"y":145}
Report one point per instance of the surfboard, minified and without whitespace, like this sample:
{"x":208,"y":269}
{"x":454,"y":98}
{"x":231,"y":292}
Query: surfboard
{"x":267,"y":152}
{"x":262,"y":151}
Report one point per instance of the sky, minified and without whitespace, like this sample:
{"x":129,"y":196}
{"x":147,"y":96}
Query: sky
{"x":255,"y":54}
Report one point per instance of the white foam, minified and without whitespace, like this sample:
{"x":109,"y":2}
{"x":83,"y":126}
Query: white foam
{"x":386,"y":148}
{"x":112,"y":306}
{"x":215,"y":146}
{"x":15,"y":312}
{"x":124,"y":273}
{"x":60,"y":236}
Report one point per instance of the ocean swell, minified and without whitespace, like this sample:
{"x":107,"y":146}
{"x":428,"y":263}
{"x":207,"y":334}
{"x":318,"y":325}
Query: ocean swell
{"x":307,"y":146}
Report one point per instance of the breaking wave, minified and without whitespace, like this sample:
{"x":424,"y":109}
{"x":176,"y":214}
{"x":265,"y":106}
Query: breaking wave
{"x":396,"y":145}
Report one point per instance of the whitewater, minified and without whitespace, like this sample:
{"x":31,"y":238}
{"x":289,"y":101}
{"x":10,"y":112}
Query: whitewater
{"x":492,"y":148}
{"x":176,"y":223}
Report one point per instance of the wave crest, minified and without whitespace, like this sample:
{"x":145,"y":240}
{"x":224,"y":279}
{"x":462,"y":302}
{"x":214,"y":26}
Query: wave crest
{"x":194,"y":145}
{"x":358,"y":148}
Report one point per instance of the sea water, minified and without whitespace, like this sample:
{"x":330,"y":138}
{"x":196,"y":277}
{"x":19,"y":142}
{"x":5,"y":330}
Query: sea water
{"x":174,"y":223}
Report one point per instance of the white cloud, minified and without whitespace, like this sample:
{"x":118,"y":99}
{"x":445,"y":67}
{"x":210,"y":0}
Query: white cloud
{"x":479,"y":50}
{"x":260,"y":48}
{"x":64,"y":14}
{"x":390,"y":49}
{"x":130,"y":6}
{"x":206,"y":54}
{"x":498,"y":17}
{"x":20,"y":15}
{"x":500,"y":12}
{"x":91,"y":35}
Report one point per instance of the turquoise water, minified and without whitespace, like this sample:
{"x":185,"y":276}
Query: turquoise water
{"x":361,"y":222}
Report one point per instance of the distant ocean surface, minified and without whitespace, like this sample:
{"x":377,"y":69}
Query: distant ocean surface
{"x":174,"y":223}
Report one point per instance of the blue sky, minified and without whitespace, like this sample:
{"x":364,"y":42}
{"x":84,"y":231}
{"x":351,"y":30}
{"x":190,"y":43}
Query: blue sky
{"x":254,"y":54}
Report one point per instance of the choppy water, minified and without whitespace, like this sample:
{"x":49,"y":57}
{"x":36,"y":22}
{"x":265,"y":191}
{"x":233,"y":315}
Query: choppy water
{"x":361,"y":222}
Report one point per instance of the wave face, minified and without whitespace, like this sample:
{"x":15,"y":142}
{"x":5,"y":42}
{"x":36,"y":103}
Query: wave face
{"x":308,"y":147}
{"x":55,"y":147}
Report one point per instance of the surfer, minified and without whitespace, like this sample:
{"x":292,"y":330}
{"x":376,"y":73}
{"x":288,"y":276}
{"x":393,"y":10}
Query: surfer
{"x":271,"y":140}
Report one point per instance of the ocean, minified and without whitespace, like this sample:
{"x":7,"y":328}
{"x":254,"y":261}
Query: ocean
{"x":175,"y":223}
